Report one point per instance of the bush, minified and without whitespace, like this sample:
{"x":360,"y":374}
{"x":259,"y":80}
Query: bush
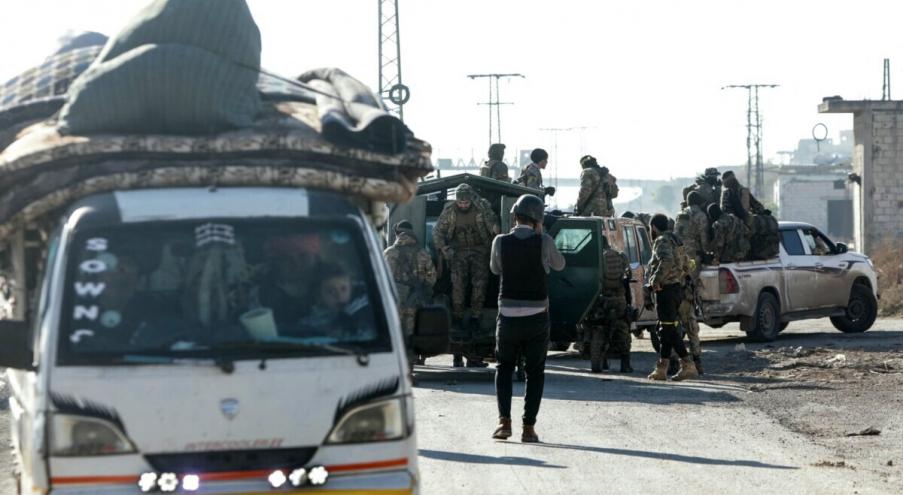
{"x":889,"y":266}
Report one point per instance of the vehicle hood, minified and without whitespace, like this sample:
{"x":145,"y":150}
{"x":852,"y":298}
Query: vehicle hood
{"x":199,"y":407}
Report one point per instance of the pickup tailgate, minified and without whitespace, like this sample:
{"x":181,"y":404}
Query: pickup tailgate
{"x":708,"y":281}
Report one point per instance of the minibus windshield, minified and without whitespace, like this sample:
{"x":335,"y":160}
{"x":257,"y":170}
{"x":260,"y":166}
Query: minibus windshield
{"x":155,"y":292}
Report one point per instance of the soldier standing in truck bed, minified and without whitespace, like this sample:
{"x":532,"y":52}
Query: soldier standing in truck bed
{"x":597,"y":188}
{"x":495,"y":168}
{"x":531,"y":176}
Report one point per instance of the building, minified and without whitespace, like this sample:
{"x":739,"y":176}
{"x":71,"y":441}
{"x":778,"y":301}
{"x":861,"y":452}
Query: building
{"x":819,"y":195}
{"x":877,"y":168}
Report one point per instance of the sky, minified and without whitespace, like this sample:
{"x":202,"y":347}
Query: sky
{"x":644,"y":76}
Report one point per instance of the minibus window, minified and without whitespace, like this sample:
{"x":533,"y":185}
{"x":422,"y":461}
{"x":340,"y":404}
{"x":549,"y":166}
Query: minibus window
{"x":215,"y":288}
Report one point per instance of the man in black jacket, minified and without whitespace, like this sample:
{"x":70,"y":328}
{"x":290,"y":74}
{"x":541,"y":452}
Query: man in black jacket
{"x":522,"y":259}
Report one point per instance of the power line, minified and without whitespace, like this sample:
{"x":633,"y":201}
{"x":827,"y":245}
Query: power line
{"x":494,"y":100}
{"x":753,"y":135}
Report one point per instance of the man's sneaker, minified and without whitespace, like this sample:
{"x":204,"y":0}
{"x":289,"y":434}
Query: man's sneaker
{"x":503,"y":432}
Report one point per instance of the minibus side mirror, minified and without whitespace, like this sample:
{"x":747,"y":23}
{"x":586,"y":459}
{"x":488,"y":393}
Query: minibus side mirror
{"x":431,"y":331}
{"x":15,"y":345}
{"x":840,"y":248}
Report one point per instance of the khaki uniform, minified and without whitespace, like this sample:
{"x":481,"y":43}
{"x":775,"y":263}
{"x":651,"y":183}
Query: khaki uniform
{"x":693,"y":231}
{"x":593,"y":200}
{"x":730,"y":239}
{"x":495,"y":169}
{"x":414,"y":274}
{"x":606,"y":329}
{"x":666,"y":267}
{"x":531,"y":177}
{"x":469,"y":236}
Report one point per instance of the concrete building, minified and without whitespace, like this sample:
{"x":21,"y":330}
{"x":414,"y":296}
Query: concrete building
{"x":877,"y":168}
{"x":819,"y":195}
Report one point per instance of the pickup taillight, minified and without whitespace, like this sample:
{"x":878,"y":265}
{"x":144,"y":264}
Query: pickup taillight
{"x":727,"y":284}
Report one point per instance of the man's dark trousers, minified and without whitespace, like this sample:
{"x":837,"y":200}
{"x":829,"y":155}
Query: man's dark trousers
{"x":529,"y":337}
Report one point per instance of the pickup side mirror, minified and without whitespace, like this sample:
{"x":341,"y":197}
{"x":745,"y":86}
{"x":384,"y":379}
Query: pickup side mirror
{"x":15,"y":345}
{"x":840,"y":248}
{"x":431,"y":331}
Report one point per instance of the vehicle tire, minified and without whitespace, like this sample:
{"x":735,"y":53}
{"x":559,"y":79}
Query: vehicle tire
{"x":766,"y":322}
{"x":861,"y":311}
{"x":559,"y":345}
{"x":784,"y":325}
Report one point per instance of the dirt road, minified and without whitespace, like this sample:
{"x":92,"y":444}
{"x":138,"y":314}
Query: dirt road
{"x":771,"y":418}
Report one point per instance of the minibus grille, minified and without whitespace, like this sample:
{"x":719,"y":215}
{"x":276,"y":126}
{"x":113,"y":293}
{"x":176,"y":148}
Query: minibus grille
{"x":231,"y":460}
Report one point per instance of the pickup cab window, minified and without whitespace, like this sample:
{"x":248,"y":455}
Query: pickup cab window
{"x":790,"y":239}
{"x":818,"y":244}
{"x":630,"y":245}
{"x":221,"y":289}
{"x":645,"y":246}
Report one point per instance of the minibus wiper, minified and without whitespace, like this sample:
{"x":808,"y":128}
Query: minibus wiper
{"x":361,"y":356}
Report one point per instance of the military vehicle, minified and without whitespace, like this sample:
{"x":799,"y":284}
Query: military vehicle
{"x":573,"y":290}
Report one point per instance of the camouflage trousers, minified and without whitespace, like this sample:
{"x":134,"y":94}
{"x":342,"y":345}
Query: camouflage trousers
{"x":469,"y":266}
{"x":691,"y":326}
{"x":607,"y":332}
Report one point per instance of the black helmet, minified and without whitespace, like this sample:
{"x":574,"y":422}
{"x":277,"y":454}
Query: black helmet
{"x":714,"y":211}
{"x":712,"y":171}
{"x":529,"y":206}
{"x":404,"y":226}
{"x":587,"y":161}
{"x":694,"y":198}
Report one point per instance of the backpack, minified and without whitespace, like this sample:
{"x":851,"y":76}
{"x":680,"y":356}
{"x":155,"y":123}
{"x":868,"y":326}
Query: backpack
{"x":765,"y":237}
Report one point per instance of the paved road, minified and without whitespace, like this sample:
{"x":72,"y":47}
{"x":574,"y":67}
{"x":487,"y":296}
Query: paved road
{"x":622,"y":434}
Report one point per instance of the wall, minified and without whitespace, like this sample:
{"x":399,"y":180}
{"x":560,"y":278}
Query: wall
{"x":884,"y":191}
{"x":802,"y":198}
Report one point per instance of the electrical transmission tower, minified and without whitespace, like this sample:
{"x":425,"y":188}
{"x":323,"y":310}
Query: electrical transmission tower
{"x":494,"y":101}
{"x":753,"y":136}
{"x":885,"y":89}
{"x":393,"y":93}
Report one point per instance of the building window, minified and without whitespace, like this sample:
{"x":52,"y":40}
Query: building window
{"x":840,"y":184}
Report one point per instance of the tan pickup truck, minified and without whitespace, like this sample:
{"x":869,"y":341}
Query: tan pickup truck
{"x":812,"y":277}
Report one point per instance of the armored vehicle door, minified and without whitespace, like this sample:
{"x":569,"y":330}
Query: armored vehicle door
{"x":573,"y":290}
{"x":505,"y":213}
{"x":413,"y":211}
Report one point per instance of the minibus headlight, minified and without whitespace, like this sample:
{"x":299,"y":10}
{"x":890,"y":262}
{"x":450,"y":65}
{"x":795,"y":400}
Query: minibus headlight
{"x":80,"y":435}
{"x":376,"y":422}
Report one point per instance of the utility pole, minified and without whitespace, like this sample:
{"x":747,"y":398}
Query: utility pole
{"x":885,"y":89}
{"x":494,"y":101}
{"x":393,"y":93}
{"x":753,"y":136}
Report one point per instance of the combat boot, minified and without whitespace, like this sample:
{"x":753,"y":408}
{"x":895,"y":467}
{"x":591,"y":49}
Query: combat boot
{"x":458,"y":361}
{"x":697,"y":360}
{"x":625,"y":363}
{"x":529,"y":435}
{"x":661,"y":370}
{"x":673,"y":365}
{"x":503,"y":432}
{"x":687,"y":370}
{"x":605,"y":363}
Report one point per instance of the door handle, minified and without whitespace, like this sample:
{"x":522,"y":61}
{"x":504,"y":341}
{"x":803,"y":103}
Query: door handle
{"x":819,"y":265}
{"x":790,"y":265}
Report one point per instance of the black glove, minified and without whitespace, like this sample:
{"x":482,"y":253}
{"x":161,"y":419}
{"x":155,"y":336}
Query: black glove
{"x":549,"y":191}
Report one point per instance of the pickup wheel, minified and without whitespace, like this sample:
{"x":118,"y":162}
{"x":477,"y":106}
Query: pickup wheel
{"x":784,"y":325}
{"x":861,"y":311}
{"x":767,"y":319}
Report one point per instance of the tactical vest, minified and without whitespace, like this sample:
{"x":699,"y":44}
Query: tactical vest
{"x":466,"y":230}
{"x":403,"y":272}
{"x":682,"y":261}
{"x":615,"y":267}
{"x":523,"y":275}
{"x":682,"y":225}
{"x":731,"y":202}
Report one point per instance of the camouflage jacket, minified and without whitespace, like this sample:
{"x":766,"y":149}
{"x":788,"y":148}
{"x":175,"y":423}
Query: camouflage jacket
{"x":413,"y":270}
{"x":495,"y":169}
{"x":531,"y":176}
{"x":692,"y":227}
{"x":617,"y":271}
{"x":592,"y":199}
{"x":711,"y":193}
{"x":740,"y":202}
{"x":729,"y":239}
{"x":466,"y":232}
{"x":665,"y":268}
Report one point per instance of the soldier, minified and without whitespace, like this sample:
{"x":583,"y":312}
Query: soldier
{"x":708,"y":185}
{"x":414,"y":274}
{"x":737,"y":200}
{"x":607,"y":325}
{"x":495,"y":168}
{"x":729,"y":236}
{"x":531,"y":176}
{"x":693,"y":231}
{"x":596,"y":185}
{"x":463,"y":235}
{"x":666,"y":276}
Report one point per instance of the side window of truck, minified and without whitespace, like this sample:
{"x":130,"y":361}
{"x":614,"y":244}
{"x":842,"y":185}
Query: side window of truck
{"x":630,"y":245}
{"x":572,"y":240}
{"x":645,"y":246}
{"x":818,"y":244}
{"x":790,"y":239}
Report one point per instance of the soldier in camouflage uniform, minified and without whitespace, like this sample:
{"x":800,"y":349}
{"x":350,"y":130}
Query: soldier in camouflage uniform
{"x":531,"y":176}
{"x":414,"y":274}
{"x":730,"y":236}
{"x":737,"y":200}
{"x":708,"y":185}
{"x":597,"y":188}
{"x":463,"y":235}
{"x":692,"y":227}
{"x":606,"y":326}
{"x":495,"y":168}
{"x":666,"y":276}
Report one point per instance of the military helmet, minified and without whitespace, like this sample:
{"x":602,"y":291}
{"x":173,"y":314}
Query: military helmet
{"x":529,"y":206}
{"x":714,"y":211}
{"x":588,"y":161}
{"x":694,"y":198}
{"x":404,"y":226}
{"x":464,"y":192}
{"x":496,"y":151}
{"x":712,"y":171}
